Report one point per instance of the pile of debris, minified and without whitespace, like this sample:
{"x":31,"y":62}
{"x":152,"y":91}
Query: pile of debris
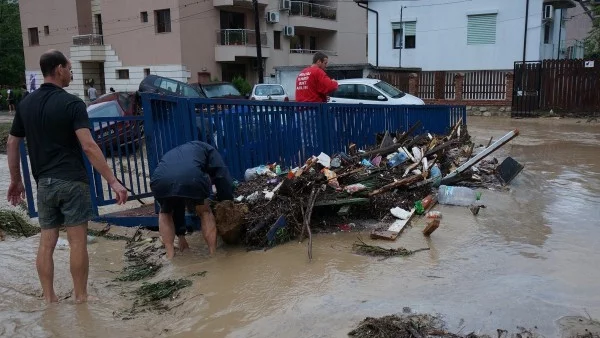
{"x":395,"y":175}
{"x":13,"y":223}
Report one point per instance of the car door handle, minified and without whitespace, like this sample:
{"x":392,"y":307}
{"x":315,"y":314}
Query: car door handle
{"x":333,"y":101}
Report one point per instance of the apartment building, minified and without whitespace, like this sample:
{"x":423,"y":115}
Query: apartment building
{"x":114,"y":43}
{"x":464,"y":35}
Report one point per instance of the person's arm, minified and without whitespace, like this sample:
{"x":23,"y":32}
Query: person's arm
{"x":16,"y":190}
{"x":325,"y":84}
{"x":81,"y":125}
{"x":219,"y":174}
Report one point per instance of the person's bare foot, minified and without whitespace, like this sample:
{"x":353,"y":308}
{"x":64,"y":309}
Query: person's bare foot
{"x":51,"y":299}
{"x":86,"y":299}
{"x":170,"y":252}
{"x":183,"y":244}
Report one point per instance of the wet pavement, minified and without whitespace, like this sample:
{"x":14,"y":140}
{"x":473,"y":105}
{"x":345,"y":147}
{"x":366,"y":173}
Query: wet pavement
{"x":527,"y":260}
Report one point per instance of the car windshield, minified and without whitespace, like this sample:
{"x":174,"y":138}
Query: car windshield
{"x":104,"y":110}
{"x":220,"y":90}
{"x":266,"y":90}
{"x":390,"y":90}
{"x":190,"y":91}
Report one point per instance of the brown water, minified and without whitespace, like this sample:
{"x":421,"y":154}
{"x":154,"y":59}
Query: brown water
{"x":528,"y":259}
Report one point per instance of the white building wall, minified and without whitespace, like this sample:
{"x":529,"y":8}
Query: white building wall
{"x":441,"y":34}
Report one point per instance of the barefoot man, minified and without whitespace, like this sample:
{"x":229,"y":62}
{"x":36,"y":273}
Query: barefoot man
{"x":183,"y":179}
{"x":56,"y":126}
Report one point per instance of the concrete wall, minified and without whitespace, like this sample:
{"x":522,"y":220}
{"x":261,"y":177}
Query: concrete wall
{"x":61,"y":18}
{"x":578,"y":24}
{"x":138,"y":43}
{"x":441,"y":34}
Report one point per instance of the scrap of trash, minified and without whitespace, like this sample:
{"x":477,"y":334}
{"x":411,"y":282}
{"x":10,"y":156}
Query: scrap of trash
{"x":401,"y":176}
{"x":363,"y":248}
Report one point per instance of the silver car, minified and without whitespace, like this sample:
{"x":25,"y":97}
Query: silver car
{"x":269,"y":92}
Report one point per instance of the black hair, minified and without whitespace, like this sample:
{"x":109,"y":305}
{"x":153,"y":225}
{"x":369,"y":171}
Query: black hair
{"x":319,"y":56}
{"x":50,"y":60}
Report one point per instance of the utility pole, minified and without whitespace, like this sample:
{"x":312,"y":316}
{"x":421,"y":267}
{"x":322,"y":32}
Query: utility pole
{"x":401,"y":38}
{"x":523,"y":68}
{"x":559,"y":33}
{"x":260,"y":70}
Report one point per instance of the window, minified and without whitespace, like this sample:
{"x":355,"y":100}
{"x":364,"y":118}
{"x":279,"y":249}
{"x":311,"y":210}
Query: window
{"x":365,"y":92}
{"x":34,"y":39}
{"x":144,"y":16}
{"x":266,"y":90}
{"x":277,"y":39}
{"x":169,"y":85}
{"x":312,"y":43}
{"x":162,"y":20}
{"x":46,"y":30}
{"x":146,"y":72}
{"x":345,"y":91}
{"x":410,"y":34}
{"x":481,"y":29}
{"x":397,"y":41}
{"x":99,"y":30}
{"x":123,"y":74}
{"x":547,"y":33}
{"x":387,"y":88}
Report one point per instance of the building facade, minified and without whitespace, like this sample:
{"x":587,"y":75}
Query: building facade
{"x":117,"y":43}
{"x":463,"y":35}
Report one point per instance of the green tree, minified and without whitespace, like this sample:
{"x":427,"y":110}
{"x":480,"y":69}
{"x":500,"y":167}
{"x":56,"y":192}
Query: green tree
{"x":592,"y":42}
{"x":241,"y":85}
{"x":12,"y":60}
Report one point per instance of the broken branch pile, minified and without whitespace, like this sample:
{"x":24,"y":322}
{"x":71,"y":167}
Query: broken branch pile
{"x":360,"y":184}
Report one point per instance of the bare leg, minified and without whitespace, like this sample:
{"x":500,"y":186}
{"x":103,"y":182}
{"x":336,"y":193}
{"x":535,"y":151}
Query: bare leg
{"x":79,"y":261}
{"x":166,"y":228}
{"x":209,"y":227}
{"x":45,"y":263}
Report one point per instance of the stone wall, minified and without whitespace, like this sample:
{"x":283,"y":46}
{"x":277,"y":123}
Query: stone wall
{"x":488,"y":111}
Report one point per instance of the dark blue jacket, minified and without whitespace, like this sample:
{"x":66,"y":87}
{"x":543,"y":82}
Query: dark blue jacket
{"x":188,"y":170}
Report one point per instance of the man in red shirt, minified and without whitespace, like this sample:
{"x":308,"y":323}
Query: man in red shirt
{"x":313,"y":84}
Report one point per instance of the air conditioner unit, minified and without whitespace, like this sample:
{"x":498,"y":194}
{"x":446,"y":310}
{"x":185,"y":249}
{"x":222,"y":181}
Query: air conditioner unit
{"x":285,"y":4}
{"x":548,"y":12}
{"x":288,"y":31}
{"x":272,"y":17}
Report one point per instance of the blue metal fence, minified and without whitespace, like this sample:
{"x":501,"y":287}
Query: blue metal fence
{"x":246,"y":133}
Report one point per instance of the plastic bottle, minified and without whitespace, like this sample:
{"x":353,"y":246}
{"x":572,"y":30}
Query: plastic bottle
{"x":462,"y":196}
{"x":434,"y":214}
{"x":397,"y":159}
{"x":436,"y":175}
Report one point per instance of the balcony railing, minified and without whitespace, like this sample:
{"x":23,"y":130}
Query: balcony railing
{"x":239,"y":37}
{"x":88,"y":40}
{"x":313,"y":10}
{"x":312,"y":51}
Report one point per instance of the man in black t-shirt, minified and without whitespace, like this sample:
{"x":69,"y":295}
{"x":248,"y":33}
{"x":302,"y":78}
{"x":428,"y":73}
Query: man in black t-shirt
{"x":184,"y":178}
{"x":56,"y":126}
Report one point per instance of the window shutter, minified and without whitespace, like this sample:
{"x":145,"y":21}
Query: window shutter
{"x":396,"y":25}
{"x":481,"y":29}
{"x":410,"y":28}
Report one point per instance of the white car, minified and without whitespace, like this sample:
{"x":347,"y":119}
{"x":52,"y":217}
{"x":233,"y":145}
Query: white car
{"x":371,"y":91}
{"x":269,"y":92}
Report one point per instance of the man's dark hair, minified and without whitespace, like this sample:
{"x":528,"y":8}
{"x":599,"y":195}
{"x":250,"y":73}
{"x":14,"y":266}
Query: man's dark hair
{"x":50,"y":60}
{"x":319,"y":56}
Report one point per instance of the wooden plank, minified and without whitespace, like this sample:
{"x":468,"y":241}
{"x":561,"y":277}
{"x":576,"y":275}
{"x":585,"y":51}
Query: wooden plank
{"x":394,"y":230}
{"x":345,"y":201}
{"x":431,"y":227}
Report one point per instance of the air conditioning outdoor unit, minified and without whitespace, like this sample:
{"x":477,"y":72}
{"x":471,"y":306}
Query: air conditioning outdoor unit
{"x":272,"y":17}
{"x":548,"y":12}
{"x":288,"y":31}
{"x":285,"y":4}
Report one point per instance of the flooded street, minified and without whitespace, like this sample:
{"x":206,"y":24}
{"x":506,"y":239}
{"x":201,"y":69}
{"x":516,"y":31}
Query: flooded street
{"x":528,"y":260}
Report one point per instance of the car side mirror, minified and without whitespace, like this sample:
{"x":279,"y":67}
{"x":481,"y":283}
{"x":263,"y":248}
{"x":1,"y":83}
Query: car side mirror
{"x":381,"y":98}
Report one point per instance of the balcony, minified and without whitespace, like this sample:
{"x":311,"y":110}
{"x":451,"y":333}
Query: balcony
{"x":310,"y":15}
{"x":313,"y":10}
{"x":303,"y":57}
{"x":238,"y":43}
{"x":238,"y":3}
{"x":88,"y":40}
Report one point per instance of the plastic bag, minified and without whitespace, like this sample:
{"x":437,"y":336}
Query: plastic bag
{"x":351,"y":189}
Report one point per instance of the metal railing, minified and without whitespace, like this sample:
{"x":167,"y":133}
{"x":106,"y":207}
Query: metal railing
{"x":239,"y":37}
{"x":88,"y":40}
{"x":312,"y":10}
{"x":312,"y":51}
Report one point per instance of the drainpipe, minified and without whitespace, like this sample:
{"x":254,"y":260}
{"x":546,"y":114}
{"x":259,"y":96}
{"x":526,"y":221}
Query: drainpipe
{"x":361,"y":5}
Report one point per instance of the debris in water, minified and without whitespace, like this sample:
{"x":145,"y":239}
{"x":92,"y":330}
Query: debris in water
{"x":153,"y":293}
{"x":198,"y":274}
{"x":138,"y":272}
{"x":13,"y":223}
{"x":360,"y":247}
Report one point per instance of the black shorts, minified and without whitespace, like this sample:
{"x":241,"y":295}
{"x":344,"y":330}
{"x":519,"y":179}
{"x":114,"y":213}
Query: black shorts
{"x":177,"y":207}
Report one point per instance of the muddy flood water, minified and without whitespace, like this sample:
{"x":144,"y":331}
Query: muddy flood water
{"x":529,"y":259}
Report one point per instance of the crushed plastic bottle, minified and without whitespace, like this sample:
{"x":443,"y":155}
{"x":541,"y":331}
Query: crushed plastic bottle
{"x":436,"y":176}
{"x":461,"y":196}
{"x":397,"y":159}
